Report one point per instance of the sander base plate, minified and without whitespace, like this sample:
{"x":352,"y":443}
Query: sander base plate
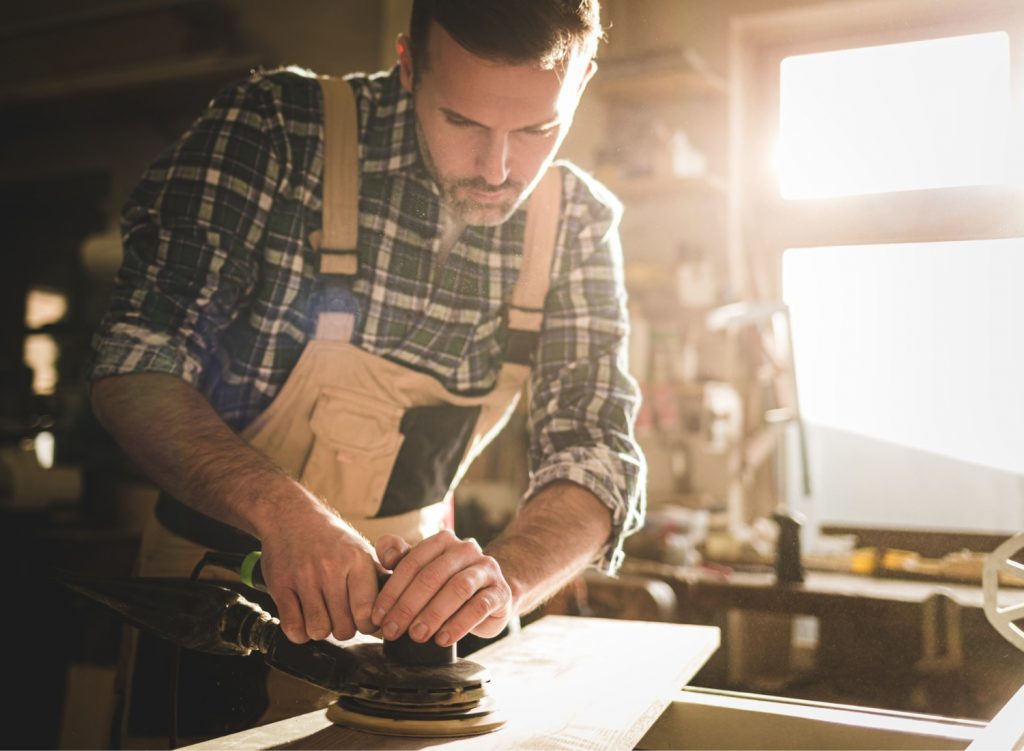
{"x":482,"y":719}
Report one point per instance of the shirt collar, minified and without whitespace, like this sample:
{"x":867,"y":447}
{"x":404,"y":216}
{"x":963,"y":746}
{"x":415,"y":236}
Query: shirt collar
{"x":389,"y":141}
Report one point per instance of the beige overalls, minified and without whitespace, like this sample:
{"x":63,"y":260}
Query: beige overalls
{"x":335,"y":424}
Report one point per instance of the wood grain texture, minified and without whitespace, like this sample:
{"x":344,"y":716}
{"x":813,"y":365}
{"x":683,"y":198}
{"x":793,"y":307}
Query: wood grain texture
{"x":564,"y":683}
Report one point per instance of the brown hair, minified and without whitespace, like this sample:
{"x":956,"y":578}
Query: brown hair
{"x":517,"y":32}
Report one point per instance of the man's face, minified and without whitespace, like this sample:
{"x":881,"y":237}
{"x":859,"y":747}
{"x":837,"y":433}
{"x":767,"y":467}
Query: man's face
{"x":488,"y":130}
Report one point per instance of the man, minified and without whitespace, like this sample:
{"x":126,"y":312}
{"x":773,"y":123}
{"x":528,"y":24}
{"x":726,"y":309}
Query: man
{"x":217,"y":342}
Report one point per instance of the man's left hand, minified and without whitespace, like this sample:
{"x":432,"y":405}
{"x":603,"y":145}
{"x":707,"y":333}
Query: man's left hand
{"x":442,"y":588}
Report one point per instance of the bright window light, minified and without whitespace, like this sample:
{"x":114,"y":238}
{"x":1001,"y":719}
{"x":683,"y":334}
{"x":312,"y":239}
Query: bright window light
{"x":896,"y":117}
{"x":910,"y":369}
{"x":916,"y":344}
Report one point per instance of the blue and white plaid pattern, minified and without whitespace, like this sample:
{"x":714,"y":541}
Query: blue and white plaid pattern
{"x":218,"y":284}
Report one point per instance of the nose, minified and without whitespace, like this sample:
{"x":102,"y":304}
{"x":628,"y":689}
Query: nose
{"x":493,"y":159}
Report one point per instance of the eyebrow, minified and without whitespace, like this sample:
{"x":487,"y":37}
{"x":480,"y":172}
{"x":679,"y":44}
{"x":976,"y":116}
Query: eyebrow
{"x":538,"y":126}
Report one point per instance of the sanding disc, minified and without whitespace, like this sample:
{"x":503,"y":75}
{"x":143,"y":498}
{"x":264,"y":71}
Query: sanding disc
{"x":428,"y":701}
{"x":484,"y":718}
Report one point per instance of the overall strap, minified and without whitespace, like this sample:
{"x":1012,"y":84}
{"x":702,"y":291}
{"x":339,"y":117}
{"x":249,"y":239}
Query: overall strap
{"x":336,"y":243}
{"x":341,"y":178}
{"x":526,"y":309}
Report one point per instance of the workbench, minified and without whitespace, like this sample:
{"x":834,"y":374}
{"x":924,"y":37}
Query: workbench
{"x":590,"y":683}
{"x":562,"y":682}
{"x":822,"y":593}
{"x":904,"y":644}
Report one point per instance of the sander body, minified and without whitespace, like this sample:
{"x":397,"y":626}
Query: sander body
{"x":396,"y":687}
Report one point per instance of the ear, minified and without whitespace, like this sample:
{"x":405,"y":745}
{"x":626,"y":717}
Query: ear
{"x":587,"y":75}
{"x":404,"y":50}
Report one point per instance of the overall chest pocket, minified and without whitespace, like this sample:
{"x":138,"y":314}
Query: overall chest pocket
{"x":436,"y":438}
{"x":356,"y":440}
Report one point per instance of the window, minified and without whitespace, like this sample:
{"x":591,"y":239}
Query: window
{"x":927,"y":114}
{"x":911,"y":365}
{"x":877,"y":163}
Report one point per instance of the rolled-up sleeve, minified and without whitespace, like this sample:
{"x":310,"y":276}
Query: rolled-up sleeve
{"x":584,"y":401}
{"x":190,"y":232}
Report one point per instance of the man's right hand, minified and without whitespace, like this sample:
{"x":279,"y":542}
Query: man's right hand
{"x":321,"y":573}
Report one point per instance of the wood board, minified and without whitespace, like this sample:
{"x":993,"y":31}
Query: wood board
{"x":563,"y":682}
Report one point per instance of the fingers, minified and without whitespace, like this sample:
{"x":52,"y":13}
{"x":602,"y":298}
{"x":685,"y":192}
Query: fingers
{"x":390,"y":550}
{"x":323,"y":593}
{"x":443,"y":588}
{"x":351,"y":599}
{"x":290,"y":614}
{"x":342,"y":624}
{"x":485,"y":613}
{"x":337,"y":604}
{"x":302,"y":599}
{"x":314,"y":613}
{"x":362,"y":591}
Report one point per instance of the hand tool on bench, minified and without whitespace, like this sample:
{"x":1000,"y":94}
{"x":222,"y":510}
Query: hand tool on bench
{"x":397,"y":687}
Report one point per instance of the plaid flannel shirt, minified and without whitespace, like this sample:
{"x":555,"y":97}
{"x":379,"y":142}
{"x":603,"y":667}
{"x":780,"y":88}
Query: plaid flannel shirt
{"x":218,"y":282}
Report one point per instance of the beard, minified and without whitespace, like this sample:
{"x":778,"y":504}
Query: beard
{"x":472,"y":199}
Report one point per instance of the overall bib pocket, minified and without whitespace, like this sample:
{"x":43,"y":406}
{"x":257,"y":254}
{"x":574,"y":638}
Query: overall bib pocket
{"x":355,"y":442}
{"x":436,"y":438}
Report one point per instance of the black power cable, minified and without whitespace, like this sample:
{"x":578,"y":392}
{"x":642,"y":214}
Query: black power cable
{"x":214,"y":558}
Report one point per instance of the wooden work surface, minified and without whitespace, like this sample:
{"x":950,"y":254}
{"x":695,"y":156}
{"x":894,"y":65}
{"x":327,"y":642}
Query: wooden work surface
{"x":563,"y":683}
{"x":828,"y":584}
{"x":821,"y":593}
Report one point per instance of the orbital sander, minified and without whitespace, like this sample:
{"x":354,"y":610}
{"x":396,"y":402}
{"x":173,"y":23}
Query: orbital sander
{"x":402,"y":687}
{"x":395,"y":687}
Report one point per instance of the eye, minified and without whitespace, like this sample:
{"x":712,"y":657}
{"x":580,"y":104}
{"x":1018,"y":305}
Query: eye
{"x":546,"y":130}
{"x":459,"y":122}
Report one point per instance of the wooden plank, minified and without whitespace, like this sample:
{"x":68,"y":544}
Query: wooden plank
{"x":707,"y":718}
{"x":563,"y":682}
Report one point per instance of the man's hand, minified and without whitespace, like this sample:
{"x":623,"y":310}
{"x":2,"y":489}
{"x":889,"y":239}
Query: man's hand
{"x":322,"y":575}
{"x":443,"y":588}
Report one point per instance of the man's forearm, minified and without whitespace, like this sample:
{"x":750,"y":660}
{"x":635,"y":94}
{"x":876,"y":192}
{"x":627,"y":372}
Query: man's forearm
{"x":553,"y":538}
{"x":174,"y":435}
{"x":321,"y":573}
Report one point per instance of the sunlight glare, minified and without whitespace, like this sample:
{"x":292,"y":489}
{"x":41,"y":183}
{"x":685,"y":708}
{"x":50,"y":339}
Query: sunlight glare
{"x":915,"y":344}
{"x":908,"y":116}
